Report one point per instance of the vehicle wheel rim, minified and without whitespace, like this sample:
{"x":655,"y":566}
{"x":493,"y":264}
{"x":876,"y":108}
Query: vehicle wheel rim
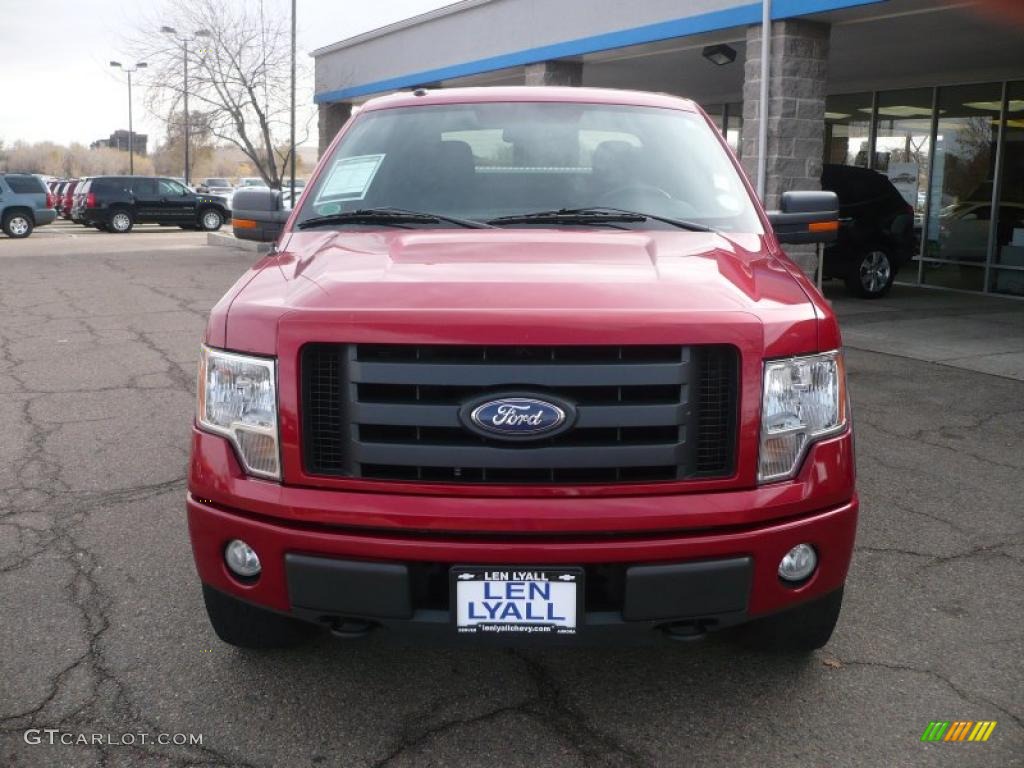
{"x":121,"y":222}
{"x":875,"y":271}
{"x":211,"y":220}
{"x":19,"y":225}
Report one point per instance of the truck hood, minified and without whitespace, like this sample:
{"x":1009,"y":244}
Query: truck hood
{"x":544,"y":276}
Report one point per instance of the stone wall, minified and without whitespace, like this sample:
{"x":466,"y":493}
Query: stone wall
{"x":558,"y":72}
{"x":798,"y":71}
{"x":330,"y":118}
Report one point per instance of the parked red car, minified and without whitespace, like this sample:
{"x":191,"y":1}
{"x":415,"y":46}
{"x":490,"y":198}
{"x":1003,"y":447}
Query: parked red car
{"x":57,"y":192}
{"x":67,"y":198}
{"x":51,"y":195}
{"x":528,"y":365}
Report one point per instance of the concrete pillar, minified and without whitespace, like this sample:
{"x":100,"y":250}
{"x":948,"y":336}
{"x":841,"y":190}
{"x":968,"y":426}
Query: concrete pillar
{"x":330,"y":119}
{"x":557,"y":72}
{"x":798,"y":72}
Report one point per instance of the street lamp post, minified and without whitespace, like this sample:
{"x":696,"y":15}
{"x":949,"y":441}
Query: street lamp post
{"x":172,"y":32}
{"x":131,"y":129}
{"x":292,"y":198}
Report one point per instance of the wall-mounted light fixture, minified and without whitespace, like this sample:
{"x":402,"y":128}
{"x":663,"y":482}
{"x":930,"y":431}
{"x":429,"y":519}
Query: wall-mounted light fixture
{"x":720,"y":54}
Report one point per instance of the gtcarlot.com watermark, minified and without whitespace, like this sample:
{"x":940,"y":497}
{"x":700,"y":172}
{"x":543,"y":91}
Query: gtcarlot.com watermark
{"x":58,"y":736}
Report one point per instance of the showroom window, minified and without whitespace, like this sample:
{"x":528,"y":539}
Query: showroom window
{"x":1007,"y":270}
{"x":728,"y":118}
{"x":848,"y":129}
{"x":734,"y":127}
{"x":903,"y":143}
{"x":956,"y":154}
{"x":717,"y":114}
{"x":960,"y":189}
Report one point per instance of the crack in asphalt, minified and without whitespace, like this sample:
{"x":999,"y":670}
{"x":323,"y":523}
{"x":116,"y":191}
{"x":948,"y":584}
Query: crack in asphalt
{"x":929,"y":516}
{"x":411,"y":739}
{"x":552,"y":709}
{"x":107,"y":705}
{"x":982,"y":550}
{"x":948,"y":431}
{"x":967,"y":696}
{"x":549,"y":707}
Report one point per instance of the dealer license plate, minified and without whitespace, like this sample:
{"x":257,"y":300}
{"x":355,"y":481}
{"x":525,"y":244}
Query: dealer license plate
{"x":517,"y":600}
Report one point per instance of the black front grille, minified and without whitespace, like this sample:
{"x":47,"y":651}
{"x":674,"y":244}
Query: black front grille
{"x":644,"y":413}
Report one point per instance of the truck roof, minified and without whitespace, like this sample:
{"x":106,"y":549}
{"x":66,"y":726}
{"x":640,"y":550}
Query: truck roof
{"x":529,"y":93}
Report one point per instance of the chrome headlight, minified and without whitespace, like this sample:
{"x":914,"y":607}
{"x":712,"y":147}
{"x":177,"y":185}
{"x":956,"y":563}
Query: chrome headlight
{"x":803,"y":400}
{"x":238,"y":399}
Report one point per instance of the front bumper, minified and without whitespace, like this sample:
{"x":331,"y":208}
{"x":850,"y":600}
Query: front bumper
{"x":707,"y":580}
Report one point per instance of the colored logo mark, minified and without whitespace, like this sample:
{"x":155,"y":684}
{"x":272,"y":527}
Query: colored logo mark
{"x":958,"y":730}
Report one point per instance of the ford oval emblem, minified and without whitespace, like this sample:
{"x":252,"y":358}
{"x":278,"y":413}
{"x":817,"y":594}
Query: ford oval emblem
{"x":518,"y":417}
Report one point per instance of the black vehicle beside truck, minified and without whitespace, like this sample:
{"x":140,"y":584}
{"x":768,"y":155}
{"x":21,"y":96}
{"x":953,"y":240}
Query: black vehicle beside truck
{"x":876,"y":230}
{"x":118,"y":203}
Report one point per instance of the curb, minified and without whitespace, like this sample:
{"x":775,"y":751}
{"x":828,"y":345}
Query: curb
{"x":230,"y":241}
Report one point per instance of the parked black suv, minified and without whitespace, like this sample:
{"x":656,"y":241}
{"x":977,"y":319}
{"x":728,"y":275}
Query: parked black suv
{"x":117,"y":203}
{"x":876,"y":230}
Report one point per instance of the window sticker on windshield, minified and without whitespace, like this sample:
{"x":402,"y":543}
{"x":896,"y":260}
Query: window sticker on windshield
{"x":328,"y":209}
{"x":350,"y":178}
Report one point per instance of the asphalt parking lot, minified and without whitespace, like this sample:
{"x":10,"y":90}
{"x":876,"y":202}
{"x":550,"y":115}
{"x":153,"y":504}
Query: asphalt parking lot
{"x":103,"y":630}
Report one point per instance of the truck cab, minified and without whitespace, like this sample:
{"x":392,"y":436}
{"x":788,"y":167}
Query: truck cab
{"x":526,"y":365}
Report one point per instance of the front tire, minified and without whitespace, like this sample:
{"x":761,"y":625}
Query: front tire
{"x":210,"y":220}
{"x":120,"y":221}
{"x":872,"y":275}
{"x":247,"y":626}
{"x":802,"y":629}
{"x":17,"y":225}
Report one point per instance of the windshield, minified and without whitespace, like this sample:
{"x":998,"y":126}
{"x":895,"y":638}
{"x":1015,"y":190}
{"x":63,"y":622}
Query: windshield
{"x":218,"y":183}
{"x":493,"y":160}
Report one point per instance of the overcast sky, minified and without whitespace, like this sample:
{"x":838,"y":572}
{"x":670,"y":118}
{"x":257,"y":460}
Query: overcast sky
{"x":57,"y":82}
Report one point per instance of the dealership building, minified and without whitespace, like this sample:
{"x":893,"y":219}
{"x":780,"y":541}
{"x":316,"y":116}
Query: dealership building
{"x":927,"y":92}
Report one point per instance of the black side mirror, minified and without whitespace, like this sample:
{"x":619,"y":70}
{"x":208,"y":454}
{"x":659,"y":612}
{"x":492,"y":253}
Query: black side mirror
{"x":257,"y":214}
{"x":806,"y":217}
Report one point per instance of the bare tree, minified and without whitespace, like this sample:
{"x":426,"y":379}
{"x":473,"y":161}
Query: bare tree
{"x":70,"y":161}
{"x":238,"y":76}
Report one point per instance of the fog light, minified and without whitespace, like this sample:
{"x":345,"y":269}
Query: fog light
{"x":798,"y":563}
{"x":243,"y":560}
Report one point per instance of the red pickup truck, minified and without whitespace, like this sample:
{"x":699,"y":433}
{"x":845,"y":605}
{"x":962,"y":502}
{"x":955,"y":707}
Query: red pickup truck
{"x":525,"y":365}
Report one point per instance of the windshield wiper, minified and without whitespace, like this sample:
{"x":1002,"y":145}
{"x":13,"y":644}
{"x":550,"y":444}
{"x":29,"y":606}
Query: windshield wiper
{"x":569,"y":216}
{"x":393,"y":216}
{"x":595,"y":214}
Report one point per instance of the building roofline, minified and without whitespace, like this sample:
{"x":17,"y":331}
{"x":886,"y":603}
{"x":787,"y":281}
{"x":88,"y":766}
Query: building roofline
{"x":740,"y":15}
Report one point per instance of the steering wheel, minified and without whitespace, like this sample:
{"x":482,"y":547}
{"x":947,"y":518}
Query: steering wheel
{"x":647,"y":190}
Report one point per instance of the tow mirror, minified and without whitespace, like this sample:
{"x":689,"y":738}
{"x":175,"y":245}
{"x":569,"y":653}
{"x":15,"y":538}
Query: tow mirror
{"x":806,"y":217}
{"x":257,"y":214}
